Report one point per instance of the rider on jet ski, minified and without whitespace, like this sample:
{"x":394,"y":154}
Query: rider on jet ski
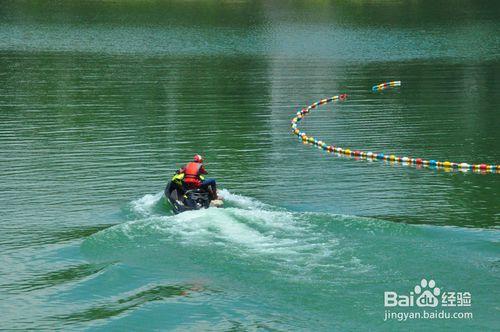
{"x":192,"y":177}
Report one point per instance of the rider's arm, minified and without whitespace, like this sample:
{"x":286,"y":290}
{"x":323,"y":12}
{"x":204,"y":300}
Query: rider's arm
{"x":203,"y":170}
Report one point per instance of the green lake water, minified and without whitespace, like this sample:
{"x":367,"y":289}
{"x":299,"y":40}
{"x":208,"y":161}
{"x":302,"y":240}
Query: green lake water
{"x":100,"y":102}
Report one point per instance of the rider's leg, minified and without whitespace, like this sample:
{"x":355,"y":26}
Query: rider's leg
{"x":211,"y":186}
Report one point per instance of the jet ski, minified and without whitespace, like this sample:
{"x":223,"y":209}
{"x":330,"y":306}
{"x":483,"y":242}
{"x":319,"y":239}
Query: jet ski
{"x":194,"y":199}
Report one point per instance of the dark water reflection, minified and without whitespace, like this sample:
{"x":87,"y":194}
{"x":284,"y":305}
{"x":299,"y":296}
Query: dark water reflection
{"x":100,"y":130}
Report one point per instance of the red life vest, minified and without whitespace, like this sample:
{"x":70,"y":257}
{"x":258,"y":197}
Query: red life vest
{"x":192,"y":174}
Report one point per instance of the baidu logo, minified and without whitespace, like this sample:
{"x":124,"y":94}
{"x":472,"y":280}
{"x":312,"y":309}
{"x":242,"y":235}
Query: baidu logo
{"x":424,"y":297}
{"x":427,"y":294}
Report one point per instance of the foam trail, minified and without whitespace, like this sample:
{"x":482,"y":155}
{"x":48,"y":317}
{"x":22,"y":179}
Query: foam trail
{"x":290,"y":244}
{"x":144,"y":205}
{"x":245,"y":232}
{"x":241,"y":201}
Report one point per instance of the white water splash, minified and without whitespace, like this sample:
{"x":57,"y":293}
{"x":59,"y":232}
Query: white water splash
{"x":257,"y":230}
{"x":245,"y":229}
{"x":144,"y":205}
{"x":241,"y":201}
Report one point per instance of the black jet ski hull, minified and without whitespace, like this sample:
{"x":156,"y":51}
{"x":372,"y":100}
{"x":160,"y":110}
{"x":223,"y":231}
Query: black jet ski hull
{"x":191,"y":200}
{"x":170,"y":197}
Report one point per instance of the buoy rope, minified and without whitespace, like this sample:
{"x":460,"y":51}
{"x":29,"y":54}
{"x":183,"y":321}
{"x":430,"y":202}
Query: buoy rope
{"x":419,"y":162}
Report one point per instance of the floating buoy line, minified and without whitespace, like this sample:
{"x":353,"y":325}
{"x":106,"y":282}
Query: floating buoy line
{"x":418,"y":162}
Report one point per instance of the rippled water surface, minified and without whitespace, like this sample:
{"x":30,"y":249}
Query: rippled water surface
{"x":101,"y":102}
